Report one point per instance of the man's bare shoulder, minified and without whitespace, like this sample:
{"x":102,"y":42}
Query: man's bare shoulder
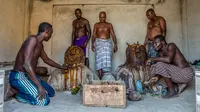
{"x":31,"y":39}
{"x":109,"y":24}
{"x":172,"y":46}
{"x":84,"y":19}
{"x":97,"y":24}
{"x":149,"y":23}
{"x":160,"y":18}
{"x":74,"y":21}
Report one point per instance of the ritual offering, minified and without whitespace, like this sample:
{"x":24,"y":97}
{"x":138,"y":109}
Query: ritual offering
{"x":134,"y":69}
{"x":77,"y":73}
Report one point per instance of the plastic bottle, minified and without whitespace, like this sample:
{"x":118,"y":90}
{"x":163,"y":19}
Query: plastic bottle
{"x":139,"y":87}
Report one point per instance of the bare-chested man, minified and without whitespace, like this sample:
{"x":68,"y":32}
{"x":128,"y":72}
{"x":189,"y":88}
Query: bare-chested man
{"x":81,"y":31}
{"x":156,"y":26}
{"x":171,"y":65}
{"x":102,"y":44}
{"x":25,"y":84}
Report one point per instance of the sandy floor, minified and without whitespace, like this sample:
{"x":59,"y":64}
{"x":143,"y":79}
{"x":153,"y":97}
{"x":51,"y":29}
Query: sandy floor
{"x":65,"y":102}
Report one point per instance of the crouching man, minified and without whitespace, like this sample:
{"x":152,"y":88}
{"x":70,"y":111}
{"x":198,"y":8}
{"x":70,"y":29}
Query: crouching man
{"x":171,"y":65}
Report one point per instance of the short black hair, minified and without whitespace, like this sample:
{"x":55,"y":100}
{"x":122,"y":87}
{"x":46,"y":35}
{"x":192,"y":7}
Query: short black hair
{"x":150,"y":10}
{"x":160,"y":37}
{"x":44,"y":26}
{"x":78,"y":9}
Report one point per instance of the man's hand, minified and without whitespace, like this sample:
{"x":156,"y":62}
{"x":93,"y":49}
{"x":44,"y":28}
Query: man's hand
{"x":145,"y":43}
{"x":148,"y":62}
{"x":65,"y":67}
{"x":93,"y":47}
{"x":41,"y":93}
{"x":154,"y":79}
{"x":84,"y":45}
{"x":115,"y":48}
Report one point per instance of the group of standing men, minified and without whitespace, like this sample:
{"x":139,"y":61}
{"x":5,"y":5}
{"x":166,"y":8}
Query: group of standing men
{"x":27,"y":87}
{"x":101,"y":42}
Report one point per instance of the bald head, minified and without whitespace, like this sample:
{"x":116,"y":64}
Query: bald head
{"x":102,"y":13}
{"x":102,"y":16}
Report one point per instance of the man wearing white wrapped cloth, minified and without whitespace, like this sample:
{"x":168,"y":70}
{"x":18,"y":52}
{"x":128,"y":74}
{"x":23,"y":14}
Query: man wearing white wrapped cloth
{"x":102,"y":44}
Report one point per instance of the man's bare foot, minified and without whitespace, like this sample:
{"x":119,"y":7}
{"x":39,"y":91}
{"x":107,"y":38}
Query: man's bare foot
{"x":10,"y":93}
{"x":152,"y":80}
{"x":170,"y":94}
{"x":100,"y":77}
{"x":181,"y":87}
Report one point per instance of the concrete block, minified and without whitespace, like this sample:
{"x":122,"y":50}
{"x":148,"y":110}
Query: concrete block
{"x":2,"y":75}
{"x":7,"y":70}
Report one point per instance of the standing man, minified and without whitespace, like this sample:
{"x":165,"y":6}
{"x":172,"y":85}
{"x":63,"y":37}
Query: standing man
{"x":81,"y":32}
{"x":156,"y":26}
{"x":25,"y":84}
{"x":102,"y":44}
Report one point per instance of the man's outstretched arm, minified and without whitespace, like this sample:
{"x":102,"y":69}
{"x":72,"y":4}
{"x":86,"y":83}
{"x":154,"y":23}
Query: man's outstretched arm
{"x":48,"y":61}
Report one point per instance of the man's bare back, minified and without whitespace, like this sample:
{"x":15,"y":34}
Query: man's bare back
{"x":20,"y":56}
{"x":178,"y":58}
{"x":169,"y":53}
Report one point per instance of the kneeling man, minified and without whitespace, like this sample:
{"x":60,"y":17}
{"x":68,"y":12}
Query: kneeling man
{"x":25,"y":84}
{"x":171,"y":65}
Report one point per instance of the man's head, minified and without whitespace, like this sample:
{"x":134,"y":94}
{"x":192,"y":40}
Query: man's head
{"x":102,"y":16}
{"x":150,"y":14}
{"x":159,"y":42}
{"x":46,"y":29}
{"x":78,"y":13}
